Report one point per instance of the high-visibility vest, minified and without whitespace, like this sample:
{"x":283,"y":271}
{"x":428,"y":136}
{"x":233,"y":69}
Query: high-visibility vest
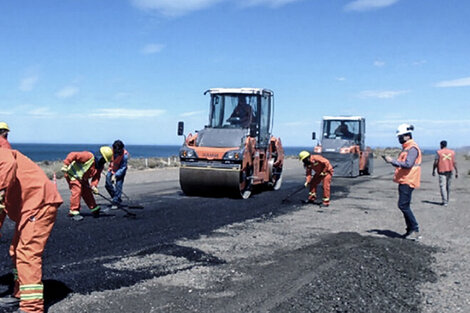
{"x":446,"y":159}
{"x":116,"y":162}
{"x":77,"y":170}
{"x":409,"y":176}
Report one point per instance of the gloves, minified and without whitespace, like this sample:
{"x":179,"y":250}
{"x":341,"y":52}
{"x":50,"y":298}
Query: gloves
{"x":95,"y":190}
{"x":323,"y":174}
{"x":64,"y":168}
{"x":306,"y":184}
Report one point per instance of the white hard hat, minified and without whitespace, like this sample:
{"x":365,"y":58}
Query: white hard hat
{"x":404,"y":129}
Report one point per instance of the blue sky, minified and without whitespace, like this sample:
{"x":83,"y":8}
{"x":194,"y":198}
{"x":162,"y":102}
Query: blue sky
{"x":94,"y":71}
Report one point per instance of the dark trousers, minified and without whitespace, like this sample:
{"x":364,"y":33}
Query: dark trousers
{"x":114,"y":190}
{"x":404,"y":201}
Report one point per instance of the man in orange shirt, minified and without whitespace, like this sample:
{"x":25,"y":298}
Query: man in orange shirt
{"x":4,"y":130}
{"x":323,"y":172}
{"x":31,"y":200}
{"x":78,"y":168}
{"x":445,"y":164}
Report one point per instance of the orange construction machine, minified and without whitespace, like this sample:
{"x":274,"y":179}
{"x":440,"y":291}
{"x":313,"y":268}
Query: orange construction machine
{"x":343,"y":144}
{"x":236,"y":150}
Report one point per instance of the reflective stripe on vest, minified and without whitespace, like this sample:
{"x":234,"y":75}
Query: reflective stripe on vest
{"x":77,"y":169}
{"x":409,"y":176}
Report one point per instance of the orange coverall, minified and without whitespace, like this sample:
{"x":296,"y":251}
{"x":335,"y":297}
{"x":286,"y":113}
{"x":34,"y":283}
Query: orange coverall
{"x":79,"y":186}
{"x":323,"y":172}
{"x":31,"y":201}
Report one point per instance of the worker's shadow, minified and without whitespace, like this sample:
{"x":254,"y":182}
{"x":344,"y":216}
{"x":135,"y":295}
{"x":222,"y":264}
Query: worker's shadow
{"x":54,"y":291}
{"x":385,"y":232}
{"x":432,"y":202}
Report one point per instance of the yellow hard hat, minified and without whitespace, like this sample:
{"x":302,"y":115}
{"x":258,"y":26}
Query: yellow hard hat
{"x":4,"y":125}
{"x":303,"y":154}
{"x":106,"y":152}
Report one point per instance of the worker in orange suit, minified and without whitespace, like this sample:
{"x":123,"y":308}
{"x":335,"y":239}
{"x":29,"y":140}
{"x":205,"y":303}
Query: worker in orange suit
{"x":31,"y":200}
{"x":323,"y":171}
{"x":4,"y":130}
{"x":78,"y":168}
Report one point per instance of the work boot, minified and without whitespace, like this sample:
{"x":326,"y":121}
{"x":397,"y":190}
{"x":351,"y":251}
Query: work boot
{"x":77,"y":217}
{"x":114,"y":207}
{"x":9,"y":301}
{"x":96,"y":212}
{"x":324,"y":205}
{"x":412,"y":235}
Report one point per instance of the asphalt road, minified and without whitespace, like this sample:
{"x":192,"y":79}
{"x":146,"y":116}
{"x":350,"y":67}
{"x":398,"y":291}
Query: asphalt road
{"x":117,"y":264}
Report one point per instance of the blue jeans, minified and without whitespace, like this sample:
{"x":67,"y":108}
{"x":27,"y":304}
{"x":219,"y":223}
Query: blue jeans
{"x":115,"y":191}
{"x":404,"y":201}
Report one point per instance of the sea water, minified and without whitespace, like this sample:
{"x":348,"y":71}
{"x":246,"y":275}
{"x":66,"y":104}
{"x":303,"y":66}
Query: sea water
{"x":53,"y":152}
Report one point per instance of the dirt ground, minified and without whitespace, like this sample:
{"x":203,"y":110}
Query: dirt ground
{"x":291,"y":257}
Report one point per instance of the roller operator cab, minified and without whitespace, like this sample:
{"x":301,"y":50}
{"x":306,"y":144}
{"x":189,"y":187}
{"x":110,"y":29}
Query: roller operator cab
{"x":342,"y":142}
{"x":236,"y":150}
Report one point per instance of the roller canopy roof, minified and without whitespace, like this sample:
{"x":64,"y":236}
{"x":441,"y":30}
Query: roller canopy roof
{"x":346,"y":118}
{"x":257,"y":91}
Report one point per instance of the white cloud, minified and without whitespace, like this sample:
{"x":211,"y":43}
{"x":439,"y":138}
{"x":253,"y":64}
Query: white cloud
{"x":5,"y":113}
{"x":461,"y":82}
{"x":379,"y":63}
{"x":181,"y":7}
{"x":152,"y":48}
{"x":126,"y":113}
{"x":67,"y":92}
{"x":382,"y":94}
{"x":271,"y":3}
{"x":173,"y":7}
{"x":187,"y":114}
{"x":41,"y":112}
{"x":366,"y":5}
{"x":341,"y":79}
{"x":28,"y":83}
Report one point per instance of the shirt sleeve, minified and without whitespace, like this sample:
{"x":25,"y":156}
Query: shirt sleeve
{"x":410,"y":159}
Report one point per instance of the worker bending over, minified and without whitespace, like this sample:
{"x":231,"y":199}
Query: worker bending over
{"x":323,"y":172}
{"x":78,"y":168}
{"x":4,"y":130}
{"x":445,"y":164}
{"x":31,"y":200}
{"x":408,"y":176}
{"x":116,"y":173}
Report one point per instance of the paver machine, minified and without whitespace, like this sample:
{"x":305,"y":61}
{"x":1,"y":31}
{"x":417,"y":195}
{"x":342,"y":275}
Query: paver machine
{"x":342,"y":142}
{"x":236,"y":150}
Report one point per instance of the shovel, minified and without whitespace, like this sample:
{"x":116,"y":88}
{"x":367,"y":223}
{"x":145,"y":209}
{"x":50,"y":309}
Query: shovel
{"x":130,"y":214}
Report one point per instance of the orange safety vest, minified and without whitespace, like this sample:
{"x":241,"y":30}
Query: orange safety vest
{"x":116,"y":162}
{"x":409,"y":176}
{"x":446,"y":160}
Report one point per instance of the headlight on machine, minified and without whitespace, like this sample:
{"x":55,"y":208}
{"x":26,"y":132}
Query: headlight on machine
{"x":234,"y":155}
{"x":317,"y":149}
{"x":345,"y":150}
{"x":187,"y":154}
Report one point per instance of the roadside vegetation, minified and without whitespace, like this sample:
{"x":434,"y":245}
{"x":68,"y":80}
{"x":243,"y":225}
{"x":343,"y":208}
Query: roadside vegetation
{"x":139,"y":164}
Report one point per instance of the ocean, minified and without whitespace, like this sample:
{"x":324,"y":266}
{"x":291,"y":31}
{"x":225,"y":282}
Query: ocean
{"x":53,"y":152}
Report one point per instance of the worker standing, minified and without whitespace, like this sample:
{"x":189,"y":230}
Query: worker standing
{"x":323,"y":172}
{"x":408,"y":176}
{"x":78,"y":168}
{"x":4,"y":130}
{"x":31,"y":200}
{"x":116,"y":173}
{"x":445,"y":164}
